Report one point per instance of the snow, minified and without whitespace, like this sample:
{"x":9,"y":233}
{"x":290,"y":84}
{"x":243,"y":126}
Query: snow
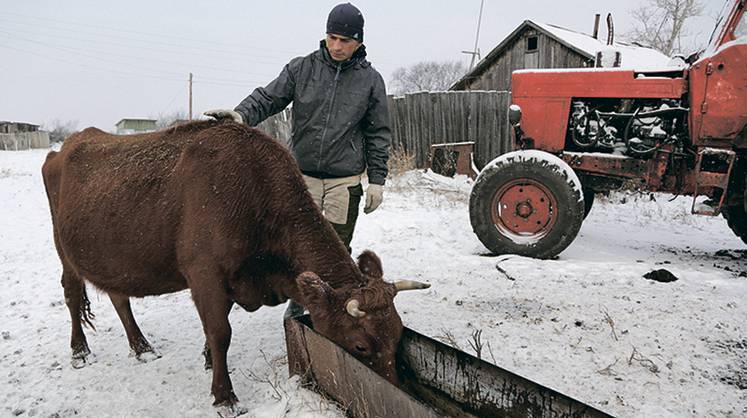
{"x":570,"y":70}
{"x":633,"y":56}
{"x":536,"y":155}
{"x":586,"y":324}
{"x":596,"y":154}
{"x":739,"y":41}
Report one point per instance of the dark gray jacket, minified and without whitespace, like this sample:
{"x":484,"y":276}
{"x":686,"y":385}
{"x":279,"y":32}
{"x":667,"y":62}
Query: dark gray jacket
{"x":340,"y":116}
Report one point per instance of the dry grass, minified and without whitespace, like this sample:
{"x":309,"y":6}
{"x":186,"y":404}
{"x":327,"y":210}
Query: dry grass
{"x":448,"y":338}
{"x":274,"y":378}
{"x":400,"y":161}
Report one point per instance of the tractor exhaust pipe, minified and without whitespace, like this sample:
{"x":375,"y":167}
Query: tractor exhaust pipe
{"x":610,"y":30}
{"x":595,"y":34}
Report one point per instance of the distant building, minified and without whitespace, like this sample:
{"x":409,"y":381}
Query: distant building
{"x":133,"y":126}
{"x":536,"y":45}
{"x":7,"y":127}
{"x":18,"y":136}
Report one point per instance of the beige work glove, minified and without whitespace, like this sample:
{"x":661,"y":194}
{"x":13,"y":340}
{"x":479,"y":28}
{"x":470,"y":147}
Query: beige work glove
{"x":221,"y":114}
{"x":374,"y":197}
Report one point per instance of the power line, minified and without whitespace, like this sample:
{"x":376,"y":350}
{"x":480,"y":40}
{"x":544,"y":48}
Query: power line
{"x":129,"y":56}
{"x":475,"y":51}
{"x":144,"y":44}
{"x":212,"y":44}
{"x":160,"y":73}
{"x":107,"y":71}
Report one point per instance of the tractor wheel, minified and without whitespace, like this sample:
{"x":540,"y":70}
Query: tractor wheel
{"x":528,"y":203}
{"x":736,"y":214}
{"x":588,"y":200}
{"x":737,"y":220}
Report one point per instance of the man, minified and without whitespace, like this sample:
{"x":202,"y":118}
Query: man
{"x":340,"y":120}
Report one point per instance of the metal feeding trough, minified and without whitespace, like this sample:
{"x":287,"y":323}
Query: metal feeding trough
{"x":437,"y":381}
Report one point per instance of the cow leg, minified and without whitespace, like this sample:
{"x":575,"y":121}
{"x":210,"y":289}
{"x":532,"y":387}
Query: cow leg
{"x":138,"y":343}
{"x":206,"y":354}
{"x":213,"y":306}
{"x":76,"y":301}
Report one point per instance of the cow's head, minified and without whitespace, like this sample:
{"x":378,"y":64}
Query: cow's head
{"x":362,"y":320}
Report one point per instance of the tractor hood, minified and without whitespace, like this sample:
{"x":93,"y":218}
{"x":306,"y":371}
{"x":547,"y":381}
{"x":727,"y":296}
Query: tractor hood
{"x":597,"y":83}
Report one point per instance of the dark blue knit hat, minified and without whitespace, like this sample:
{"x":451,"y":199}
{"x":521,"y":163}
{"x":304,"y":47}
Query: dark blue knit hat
{"x":346,"y":20}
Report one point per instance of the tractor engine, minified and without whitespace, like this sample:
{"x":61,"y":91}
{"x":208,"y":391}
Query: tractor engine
{"x":632,"y":127}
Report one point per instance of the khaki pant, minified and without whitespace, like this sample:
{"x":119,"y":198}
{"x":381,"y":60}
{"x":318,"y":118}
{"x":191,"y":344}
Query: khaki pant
{"x":339,"y":200}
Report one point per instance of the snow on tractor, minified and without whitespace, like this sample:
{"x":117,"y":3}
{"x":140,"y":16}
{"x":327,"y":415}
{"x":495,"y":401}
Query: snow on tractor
{"x":583,"y":131}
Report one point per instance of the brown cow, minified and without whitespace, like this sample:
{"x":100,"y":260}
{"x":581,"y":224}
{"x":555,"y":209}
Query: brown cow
{"x":218,"y":208}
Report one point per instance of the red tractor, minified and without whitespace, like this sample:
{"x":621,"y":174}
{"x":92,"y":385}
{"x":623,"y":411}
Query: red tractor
{"x":583,"y":131}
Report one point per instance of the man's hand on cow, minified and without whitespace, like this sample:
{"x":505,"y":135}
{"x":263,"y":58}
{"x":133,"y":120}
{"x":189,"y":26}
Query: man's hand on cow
{"x":221,"y":114}
{"x":374,"y":197}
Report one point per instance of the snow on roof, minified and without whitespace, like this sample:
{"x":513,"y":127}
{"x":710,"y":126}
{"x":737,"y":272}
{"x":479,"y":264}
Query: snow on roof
{"x":632,"y":55}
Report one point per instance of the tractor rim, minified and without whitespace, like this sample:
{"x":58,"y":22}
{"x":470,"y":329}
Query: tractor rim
{"x":524,"y":210}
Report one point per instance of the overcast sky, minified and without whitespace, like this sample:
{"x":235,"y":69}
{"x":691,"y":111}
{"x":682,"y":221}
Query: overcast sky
{"x":96,"y":62}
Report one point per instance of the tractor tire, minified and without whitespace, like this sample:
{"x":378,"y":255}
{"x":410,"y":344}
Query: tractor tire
{"x":736,"y":218}
{"x":588,"y":200}
{"x":736,"y":213}
{"x":528,"y":203}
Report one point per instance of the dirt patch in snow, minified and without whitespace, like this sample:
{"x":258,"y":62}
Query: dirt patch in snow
{"x":734,"y":374}
{"x":730,"y":260}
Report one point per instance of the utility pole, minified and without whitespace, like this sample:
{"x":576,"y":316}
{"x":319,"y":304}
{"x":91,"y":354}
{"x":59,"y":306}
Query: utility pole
{"x":190,"y":96}
{"x":476,"y":52}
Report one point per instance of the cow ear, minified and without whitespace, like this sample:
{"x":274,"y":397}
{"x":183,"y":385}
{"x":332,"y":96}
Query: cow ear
{"x":370,"y":264}
{"x":315,"y":291}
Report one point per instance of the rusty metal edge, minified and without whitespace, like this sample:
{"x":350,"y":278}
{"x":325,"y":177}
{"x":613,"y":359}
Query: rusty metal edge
{"x":337,"y":374}
{"x":484,"y":388}
{"x":473,"y":382}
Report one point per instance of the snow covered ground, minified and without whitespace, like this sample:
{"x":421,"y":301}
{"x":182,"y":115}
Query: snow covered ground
{"x":587,"y":324}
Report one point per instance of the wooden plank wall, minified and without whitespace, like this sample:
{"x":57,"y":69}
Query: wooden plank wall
{"x":419,"y":120}
{"x":551,"y":54}
{"x":278,"y":126}
{"x":24,"y":140}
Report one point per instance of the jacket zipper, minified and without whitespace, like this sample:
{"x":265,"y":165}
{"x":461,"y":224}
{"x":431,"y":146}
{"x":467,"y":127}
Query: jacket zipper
{"x":326,"y":121}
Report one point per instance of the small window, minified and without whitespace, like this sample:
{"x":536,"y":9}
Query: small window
{"x":531,"y":44}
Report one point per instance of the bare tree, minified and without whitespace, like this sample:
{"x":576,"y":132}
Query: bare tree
{"x":59,"y":130}
{"x":661,"y":24}
{"x":427,"y":76}
{"x":164,"y":120}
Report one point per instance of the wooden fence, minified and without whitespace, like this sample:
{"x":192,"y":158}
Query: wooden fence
{"x":278,"y":126}
{"x":24,"y":140}
{"x":420,"y":120}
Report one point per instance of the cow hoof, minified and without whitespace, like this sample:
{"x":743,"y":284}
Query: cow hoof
{"x":82,"y":359}
{"x":146,"y":356}
{"x":230,"y":410}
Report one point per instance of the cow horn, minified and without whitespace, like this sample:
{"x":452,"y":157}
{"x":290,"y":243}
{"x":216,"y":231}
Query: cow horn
{"x":352,"y":308}
{"x":410,"y":285}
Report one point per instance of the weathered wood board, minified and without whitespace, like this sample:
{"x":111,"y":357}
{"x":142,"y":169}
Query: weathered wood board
{"x":438,"y":380}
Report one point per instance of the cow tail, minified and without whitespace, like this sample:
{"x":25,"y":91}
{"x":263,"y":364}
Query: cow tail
{"x":85,"y":310}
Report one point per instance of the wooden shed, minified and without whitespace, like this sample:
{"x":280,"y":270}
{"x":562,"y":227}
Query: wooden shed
{"x":538,"y":45}
{"x":132,"y":126}
{"x":22,"y":136}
